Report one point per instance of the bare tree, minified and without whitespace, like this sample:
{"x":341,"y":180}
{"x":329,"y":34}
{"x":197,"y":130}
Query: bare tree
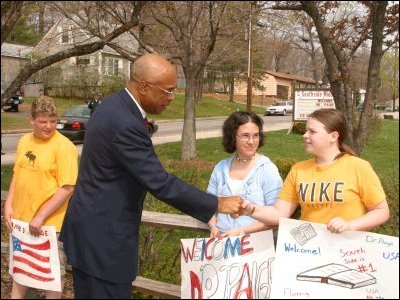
{"x":103,"y":20}
{"x":340,"y":39}
{"x":189,"y":32}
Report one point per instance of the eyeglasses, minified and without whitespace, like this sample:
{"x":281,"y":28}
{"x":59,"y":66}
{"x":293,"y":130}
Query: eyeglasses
{"x":169,"y":93}
{"x":246,"y":137}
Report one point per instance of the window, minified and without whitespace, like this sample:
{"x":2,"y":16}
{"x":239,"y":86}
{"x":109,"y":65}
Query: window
{"x":83,"y":61}
{"x":64,"y":34}
{"x":112,"y":67}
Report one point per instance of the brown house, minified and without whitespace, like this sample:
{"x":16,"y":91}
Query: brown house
{"x":275,"y":85}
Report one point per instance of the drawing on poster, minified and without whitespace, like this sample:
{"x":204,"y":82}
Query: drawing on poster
{"x":303,"y":233}
{"x":34,"y":261}
{"x":235,"y":267}
{"x":338,"y":275}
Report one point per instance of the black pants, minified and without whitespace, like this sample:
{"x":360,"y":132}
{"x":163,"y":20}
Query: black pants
{"x":88,"y":287}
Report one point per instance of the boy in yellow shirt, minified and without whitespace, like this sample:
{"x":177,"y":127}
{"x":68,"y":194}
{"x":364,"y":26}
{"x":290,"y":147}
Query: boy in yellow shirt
{"x":45,"y":173}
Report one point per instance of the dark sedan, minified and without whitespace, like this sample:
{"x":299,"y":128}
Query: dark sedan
{"x":73,"y":122}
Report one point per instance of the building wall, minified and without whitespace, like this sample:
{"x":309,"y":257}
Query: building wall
{"x":33,"y":89}
{"x":10,"y":67}
{"x":270,"y":83}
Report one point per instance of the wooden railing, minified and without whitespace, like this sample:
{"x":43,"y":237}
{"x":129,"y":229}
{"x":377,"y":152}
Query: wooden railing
{"x":155,"y":219}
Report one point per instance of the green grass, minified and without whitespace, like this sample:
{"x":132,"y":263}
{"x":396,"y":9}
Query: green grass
{"x":208,"y":107}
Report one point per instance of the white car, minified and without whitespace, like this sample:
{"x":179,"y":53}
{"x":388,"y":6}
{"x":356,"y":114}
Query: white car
{"x":279,"y":108}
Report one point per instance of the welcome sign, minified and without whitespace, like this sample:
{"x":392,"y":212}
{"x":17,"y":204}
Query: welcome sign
{"x":229,"y":268}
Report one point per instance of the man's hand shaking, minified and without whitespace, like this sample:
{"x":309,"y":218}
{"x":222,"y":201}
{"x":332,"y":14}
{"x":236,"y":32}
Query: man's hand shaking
{"x":232,"y":205}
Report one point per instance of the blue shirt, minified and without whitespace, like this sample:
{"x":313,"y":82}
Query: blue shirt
{"x":261,"y":186}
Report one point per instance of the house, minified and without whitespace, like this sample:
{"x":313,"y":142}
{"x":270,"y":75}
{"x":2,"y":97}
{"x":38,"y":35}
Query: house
{"x":274,"y":85}
{"x":104,"y":70}
{"x":13,"y":59}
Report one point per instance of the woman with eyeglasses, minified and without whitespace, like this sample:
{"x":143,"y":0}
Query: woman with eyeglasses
{"x":247,"y":173}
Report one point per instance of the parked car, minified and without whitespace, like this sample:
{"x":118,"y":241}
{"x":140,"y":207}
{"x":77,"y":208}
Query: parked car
{"x":380,"y":106}
{"x":13,"y":102}
{"x":390,"y":108}
{"x":360,"y":106}
{"x":73,"y":122}
{"x":280,"y":107}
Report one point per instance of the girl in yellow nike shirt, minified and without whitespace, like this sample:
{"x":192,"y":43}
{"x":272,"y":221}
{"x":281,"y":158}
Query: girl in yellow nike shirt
{"x":336,"y":187}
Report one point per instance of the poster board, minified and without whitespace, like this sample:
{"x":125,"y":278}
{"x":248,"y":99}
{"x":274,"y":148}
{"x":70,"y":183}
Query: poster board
{"x":229,"y":268}
{"x":307,"y":101}
{"x":34,"y":261}
{"x":312,"y":262}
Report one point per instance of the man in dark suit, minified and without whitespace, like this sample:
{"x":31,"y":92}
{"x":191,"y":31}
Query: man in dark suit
{"x":117,"y":168}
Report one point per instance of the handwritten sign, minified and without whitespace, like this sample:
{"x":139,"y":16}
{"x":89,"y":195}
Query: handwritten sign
{"x":312,"y":262}
{"x":34,"y":261}
{"x":307,"y":101}
{"x":229,"y":268}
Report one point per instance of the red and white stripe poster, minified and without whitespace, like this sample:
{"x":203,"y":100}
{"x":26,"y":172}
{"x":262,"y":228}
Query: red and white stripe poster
{"x":34,"y":261}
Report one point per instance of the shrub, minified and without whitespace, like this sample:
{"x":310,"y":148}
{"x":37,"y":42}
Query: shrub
{"x":284,"y":165}
{"x":299,"y":128}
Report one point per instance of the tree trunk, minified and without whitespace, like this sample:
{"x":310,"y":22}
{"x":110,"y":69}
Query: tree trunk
{"x":189,"y":124}
{"x":374,"y":67}
{"x":41,"y":17}
{"x":200,"y":84}
{"x":338,"y":73}
{"x":231,"y":88}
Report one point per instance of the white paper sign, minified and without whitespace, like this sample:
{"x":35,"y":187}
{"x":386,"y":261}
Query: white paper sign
{"x":34,"y":261}
{"x":229,"y":268}
{"x":307,"y":101}
{"x":312,"y":262}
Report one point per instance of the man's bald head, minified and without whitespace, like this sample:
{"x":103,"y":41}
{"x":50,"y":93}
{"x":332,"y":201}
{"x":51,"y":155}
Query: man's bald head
{"x":151,"y":68}
{"x":153,"y":80}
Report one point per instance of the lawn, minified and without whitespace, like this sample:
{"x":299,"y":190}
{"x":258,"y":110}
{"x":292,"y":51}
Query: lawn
{"x":208,"y":107}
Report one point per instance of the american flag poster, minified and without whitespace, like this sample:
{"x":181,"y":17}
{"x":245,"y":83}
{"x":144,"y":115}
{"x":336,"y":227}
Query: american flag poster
{"x":34,"y":261}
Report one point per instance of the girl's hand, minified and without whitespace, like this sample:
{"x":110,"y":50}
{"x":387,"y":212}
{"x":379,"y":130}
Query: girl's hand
{"x":214,"y":232}
{"x":233,"y":232}
{"x":338,"y":225}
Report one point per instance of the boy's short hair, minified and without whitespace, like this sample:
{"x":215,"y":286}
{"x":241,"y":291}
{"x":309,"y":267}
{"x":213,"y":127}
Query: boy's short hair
{"x":43,"y":105}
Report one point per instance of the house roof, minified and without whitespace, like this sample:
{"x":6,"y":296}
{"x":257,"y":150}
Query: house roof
{"x":291,"y":77}
{"x":14,"y":50}
{"x":82,"y":36}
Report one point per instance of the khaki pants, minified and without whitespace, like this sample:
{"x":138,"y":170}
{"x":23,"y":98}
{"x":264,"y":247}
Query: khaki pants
{"x":62,"y":256}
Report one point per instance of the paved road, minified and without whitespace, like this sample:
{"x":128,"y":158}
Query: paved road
{"x":169,"y":131}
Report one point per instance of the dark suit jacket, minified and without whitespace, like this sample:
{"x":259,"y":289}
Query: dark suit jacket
{"x":117,"y":167}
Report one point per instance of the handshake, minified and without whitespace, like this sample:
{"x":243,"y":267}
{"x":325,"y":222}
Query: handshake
{"x":235,"y":206}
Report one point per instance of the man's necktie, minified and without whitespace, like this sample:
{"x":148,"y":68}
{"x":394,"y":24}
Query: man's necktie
{"x":146,"y":123}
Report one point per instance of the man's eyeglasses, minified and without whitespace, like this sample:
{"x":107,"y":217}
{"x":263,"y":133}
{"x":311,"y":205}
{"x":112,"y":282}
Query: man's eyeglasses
{"x":246,"y":137}
{"x":169,"y":93}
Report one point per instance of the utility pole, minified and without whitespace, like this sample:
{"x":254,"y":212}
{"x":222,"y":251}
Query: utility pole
{"x":250,"y":63}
